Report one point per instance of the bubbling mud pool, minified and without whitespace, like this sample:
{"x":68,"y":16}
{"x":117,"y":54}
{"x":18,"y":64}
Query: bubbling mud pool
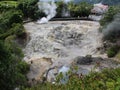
{"x":58,"y":43}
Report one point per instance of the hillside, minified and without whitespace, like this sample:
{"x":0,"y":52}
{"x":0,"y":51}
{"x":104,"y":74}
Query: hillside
{"x":109,"y":2}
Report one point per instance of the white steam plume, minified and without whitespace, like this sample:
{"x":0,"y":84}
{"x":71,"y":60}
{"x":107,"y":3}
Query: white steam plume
{"x":113,"y":28}
{"x":49,"y":8}
{"x":65,"y":11}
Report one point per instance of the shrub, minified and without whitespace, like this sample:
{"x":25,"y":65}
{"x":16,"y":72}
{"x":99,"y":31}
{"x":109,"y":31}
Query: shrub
{"x":118,"y":55}
{"x":23,"y":67}
{"x":17,"y":29}
{"x":112,"y":31}
{"x":12,"y":69}
{"x":82,"y":9}
{"x":109,"y":16}
{"x":7,"y":5}
{"x":60,"y":6}
{"x":30,"y":9}
{"x":110,"y":28}
{"x":106,"y":80}
{"x":112,"y":51}
{"x":7,"y":26}
{"x":8,"y":18}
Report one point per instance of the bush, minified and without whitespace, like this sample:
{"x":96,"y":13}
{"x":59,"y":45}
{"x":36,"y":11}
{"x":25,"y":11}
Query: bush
{"x":112,"y":51}
{"x":82,"y":9}
{"x":7,"y":5}
{"x":106,"y":80}
{"x":8,"y":18}
{"x":12,"y":69}
{"x":60,"y":6}
{"x":30,"y":9}
{"x":17,"y":29}
{"x":109,"y":16}
{"x":112,"y":31}
{"x":7,"y":23}
{"x":23,"y":67}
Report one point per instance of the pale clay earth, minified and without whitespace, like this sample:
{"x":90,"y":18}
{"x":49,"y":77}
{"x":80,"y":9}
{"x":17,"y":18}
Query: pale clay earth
{"x":58,"y":43}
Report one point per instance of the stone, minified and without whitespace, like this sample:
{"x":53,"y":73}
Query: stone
{"x":83,"y":60}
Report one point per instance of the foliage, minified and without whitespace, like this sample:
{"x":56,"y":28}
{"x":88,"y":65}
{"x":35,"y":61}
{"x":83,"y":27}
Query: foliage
{"x":12,"y":69}
{"x":118,"y":55}
{"x":17,"y":29}
{"x":8,"y":18}
{"x":60,"y":6}
{"x":7,"y":5}
{"x":82,"y":9}
{"x":110,"y":28}
{"x":106,"y":80}
{"x":112,"y":51}
{"x":30,"y":9}
{"x":8,"y":26}
{"x":109,"y":16}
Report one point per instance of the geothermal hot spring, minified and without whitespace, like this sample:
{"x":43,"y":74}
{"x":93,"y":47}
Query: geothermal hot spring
{"x":55,"y":46}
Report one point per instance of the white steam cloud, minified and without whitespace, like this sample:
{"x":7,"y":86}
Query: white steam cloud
{"x":113,"y":28}
{"x":65,"y":11}
{"x":49,"y":8}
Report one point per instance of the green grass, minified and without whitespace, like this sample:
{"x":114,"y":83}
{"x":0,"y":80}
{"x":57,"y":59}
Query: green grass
{"x":8,"y":3}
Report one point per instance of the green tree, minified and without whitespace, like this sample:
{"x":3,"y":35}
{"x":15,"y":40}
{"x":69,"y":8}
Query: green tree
{"x":8,"y":18}
{"x":12,"y":69}
{"x":82,"y":9}
{"x":17,"y":30}
{"x":72,"y":8}
{"x":30,"y":9}
{"x":60,"y":6}
{"x":109,"y":16}
{"x":7,"y":5}
{"x":8,"y":26}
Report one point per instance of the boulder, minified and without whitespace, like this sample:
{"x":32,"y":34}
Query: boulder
{"x":83,"y":60}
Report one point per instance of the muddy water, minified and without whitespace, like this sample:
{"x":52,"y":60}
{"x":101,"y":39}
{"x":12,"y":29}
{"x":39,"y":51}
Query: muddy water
{"x":61,"y":42}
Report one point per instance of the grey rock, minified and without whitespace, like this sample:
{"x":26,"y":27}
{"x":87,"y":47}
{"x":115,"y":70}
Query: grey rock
{"x":83,"y":60}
